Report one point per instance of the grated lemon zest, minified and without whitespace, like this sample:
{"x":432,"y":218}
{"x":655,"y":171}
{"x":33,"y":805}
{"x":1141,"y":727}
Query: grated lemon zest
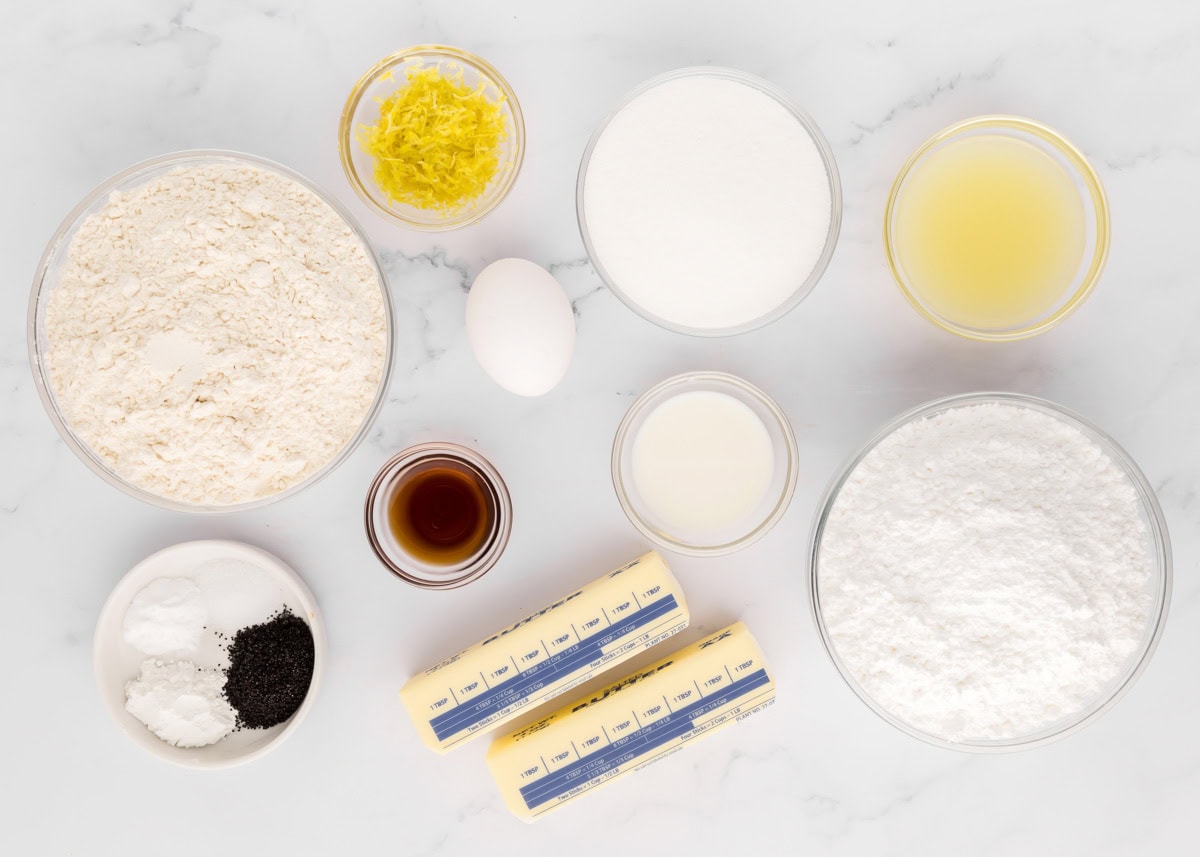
{"x":437,"y":143}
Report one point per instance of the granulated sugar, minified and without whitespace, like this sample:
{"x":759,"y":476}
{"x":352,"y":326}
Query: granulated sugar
{"x":985,"y":572}
{"x":707,"y":202}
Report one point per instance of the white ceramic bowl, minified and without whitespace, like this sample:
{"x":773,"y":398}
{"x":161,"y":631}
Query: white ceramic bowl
{"x":116,"y":662}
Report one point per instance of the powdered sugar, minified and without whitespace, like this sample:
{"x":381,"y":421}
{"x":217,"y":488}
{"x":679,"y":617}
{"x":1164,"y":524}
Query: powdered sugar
{"x":985,"y":572}
{"x":217,"y":334}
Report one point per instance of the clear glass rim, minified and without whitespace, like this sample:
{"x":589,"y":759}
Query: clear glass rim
{"x":831,"y":171}
{"x":45,"y":388}
{"x":1158,"y":534}
{"x":738,"y":387}
{"x":431,"y":52}
{"x":1096,"y":198}
{"x":487,"y":558}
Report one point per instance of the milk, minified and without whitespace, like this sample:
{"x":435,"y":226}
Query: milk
{"x":702,"y":462}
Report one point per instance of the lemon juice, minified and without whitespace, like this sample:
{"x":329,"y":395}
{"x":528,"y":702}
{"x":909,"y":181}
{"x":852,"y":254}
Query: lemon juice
{"x":989,"y":231}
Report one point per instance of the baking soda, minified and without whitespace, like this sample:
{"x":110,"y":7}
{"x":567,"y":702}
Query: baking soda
{"x":166,"y":617}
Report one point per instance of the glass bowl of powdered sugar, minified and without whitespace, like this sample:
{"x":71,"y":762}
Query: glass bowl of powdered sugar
{"x":709,"y":202}
{"x":210,"y":332}
{"x":992,"y":572}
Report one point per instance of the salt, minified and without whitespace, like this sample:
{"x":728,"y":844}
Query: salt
{"x":236,"y":594}
{"x":707,"y":203}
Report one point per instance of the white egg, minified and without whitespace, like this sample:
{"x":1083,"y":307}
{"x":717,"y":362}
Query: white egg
{"x":520,"y":326}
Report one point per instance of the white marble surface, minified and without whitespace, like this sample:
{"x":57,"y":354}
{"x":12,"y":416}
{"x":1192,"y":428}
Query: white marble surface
{"x":89,"y":88}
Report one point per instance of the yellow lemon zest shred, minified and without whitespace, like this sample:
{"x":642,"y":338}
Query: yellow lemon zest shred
{"x":437,"y":144}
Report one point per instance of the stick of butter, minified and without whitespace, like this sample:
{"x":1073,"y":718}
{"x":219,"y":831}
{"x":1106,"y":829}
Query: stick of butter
{"x":547,"y":653}
{"x":627,"y":725}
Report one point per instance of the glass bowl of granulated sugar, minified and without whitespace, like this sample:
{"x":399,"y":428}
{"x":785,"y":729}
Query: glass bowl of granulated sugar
{"x":210,"y":332}
{"x":709,"y":202}
{"x":992,"y":572}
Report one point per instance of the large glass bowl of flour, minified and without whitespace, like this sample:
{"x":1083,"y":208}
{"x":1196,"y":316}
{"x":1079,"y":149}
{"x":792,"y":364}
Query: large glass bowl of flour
{"x":709,"y":202}
{"x":263,"y":346}
{"x":990,"y":573}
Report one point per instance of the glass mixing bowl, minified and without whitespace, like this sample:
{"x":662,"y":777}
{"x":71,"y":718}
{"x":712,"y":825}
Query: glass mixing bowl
{"x":1160,"y":549}
{"x":818,"y":140}
{"x":47,"y":277}
{"x":362,"y":108}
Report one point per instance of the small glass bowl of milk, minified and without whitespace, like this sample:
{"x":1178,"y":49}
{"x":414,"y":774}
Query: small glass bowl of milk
{"x":704,"y":463}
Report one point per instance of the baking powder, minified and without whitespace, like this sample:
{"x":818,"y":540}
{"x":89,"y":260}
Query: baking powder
{"x":985,"y":572}
{"x":181,"y":703}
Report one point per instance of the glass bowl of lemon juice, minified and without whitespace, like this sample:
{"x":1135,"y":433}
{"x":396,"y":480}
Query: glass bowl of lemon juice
{"x":997,"y":228}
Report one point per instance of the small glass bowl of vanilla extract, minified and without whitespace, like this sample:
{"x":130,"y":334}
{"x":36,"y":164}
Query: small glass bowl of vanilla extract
{"x":438,"y":515}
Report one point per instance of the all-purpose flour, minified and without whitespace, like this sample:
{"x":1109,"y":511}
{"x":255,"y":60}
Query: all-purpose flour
{"x":985,"y":572}
{"x":217,"y":334}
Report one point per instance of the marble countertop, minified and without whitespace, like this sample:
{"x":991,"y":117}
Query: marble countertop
{"x":90,"y":88}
